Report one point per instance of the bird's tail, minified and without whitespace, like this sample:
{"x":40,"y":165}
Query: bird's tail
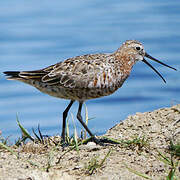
{"x":25,"y":75}
{"x":12,"y":75}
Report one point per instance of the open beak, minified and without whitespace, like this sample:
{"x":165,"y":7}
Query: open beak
{"x":150,"y":57}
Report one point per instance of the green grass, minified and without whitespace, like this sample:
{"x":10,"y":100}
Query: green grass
{"x":171,"y":162}
{"x":138,"y":173}
{"x":169,"y":159}
{"x":95,"y":163}
{"x":174,"y":149}
{"x":2,"y":145}
{"x":4,"y":141}
{"x":138,"y":142}
{"x":9,"y":149}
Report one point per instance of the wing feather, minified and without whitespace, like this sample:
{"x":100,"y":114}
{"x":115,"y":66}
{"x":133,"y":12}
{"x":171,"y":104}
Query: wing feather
{"x":74,"y":72}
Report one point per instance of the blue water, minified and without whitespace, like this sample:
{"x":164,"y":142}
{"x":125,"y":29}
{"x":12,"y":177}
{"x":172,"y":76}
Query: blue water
{"x":36,"y":34}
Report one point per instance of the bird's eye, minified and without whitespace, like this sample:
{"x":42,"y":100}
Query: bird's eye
{"x":138,"y":48}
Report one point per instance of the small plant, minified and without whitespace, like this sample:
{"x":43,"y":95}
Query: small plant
{"x":83,"y":131}
{"x":168,"y":159}
{"x":4,"y":146}
{"x":138,"y":173}
{"x":171,"y":163}
{"x":75,"y":136}
{"x":24,"y":132}
{"x":95,"y":163}
{"x":174,"y":149}
{"x":139,"y":142}
{"x":39,"y":138}
{"x":4,"y":141}
{"x":73,"y":140}
{"x":49,"y":160}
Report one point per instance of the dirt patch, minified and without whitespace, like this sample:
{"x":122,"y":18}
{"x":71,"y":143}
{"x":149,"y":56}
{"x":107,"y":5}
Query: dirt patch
{"x":144,"y":149}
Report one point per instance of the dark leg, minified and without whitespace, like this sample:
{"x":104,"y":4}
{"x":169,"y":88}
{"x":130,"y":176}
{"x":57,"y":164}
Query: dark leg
{"x":65,"y":113}
{"x":79,"y":117}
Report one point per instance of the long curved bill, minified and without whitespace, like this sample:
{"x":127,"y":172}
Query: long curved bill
{"x":150,"y":57}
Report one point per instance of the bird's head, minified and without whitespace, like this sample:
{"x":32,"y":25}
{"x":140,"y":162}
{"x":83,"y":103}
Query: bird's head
{"x":135,"y":50}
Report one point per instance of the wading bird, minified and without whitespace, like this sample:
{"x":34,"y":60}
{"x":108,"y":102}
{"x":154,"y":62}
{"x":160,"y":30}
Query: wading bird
{"x":86,"y":77}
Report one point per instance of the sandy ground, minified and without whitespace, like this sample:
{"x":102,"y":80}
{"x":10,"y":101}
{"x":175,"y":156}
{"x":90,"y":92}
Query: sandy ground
{"x":143,"y":136}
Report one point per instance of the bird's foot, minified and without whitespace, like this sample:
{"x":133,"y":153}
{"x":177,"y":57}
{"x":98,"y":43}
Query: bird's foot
{"x":64,"y":143}
{"x":97,"y":141}
{"x":103,"y":141}
{"x":109,"y":141}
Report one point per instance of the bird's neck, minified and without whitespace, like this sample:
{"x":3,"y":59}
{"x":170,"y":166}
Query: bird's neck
{"x":124,"y":61}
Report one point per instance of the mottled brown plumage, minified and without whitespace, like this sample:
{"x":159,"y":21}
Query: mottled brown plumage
{"x":86,"y":77}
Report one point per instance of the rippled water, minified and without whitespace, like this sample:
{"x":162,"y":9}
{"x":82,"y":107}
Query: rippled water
{"x":35,"y":34}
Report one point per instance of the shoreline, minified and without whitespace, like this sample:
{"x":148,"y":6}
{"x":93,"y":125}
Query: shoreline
{"x":145,"y":139}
